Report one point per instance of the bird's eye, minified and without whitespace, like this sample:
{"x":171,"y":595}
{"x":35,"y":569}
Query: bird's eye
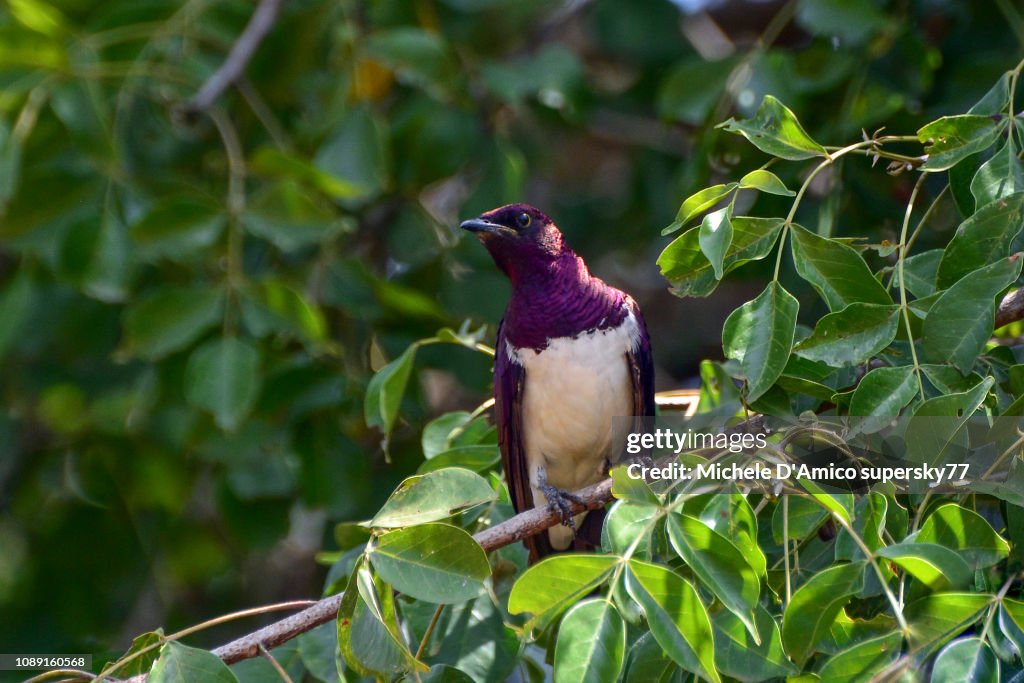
{"x":523,"y":220}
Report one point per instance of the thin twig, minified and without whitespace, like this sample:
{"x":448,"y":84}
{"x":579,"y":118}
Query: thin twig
{"x":263,"y":19}
{"x":276,"y":664}
{"x":429,"y":632}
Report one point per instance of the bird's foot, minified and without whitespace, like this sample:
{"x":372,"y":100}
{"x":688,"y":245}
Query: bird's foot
{"x":559,"y":500}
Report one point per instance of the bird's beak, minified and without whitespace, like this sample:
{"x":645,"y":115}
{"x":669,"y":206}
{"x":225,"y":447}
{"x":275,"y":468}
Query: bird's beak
{"x":479,"y":225}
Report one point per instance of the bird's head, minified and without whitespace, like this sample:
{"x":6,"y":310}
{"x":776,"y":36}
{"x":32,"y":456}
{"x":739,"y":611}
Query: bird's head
{"x":521,"y":239}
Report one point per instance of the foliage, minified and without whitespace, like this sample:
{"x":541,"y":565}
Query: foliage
{"x":206,"y":327}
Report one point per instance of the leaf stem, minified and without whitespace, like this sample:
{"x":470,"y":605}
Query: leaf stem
{"x":828,"y":161}
{"x":274,"y":663}
{"x":903,"y":289}
{"x":873,"y":561}
{"x":429,"y":632}
{"x":785,"y":547}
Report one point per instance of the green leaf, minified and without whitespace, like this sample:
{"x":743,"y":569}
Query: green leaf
{"x":691,"y":274}
{"x":934,"y":565}
{"x":815,"y":605}
{"x":438,"y":433}
{"x":442,"y":673}
{"x":182,"y":664}
{"x":178,"y":228}
{"x":919,"y":272}
{"x":368,"y":636}
{"x":984,"y":238}
{"x":846,"y":21}
{"x":948,"y":380}
{"x":591,"y":643}
{"x":863,"y":660}
{"x":357,"y":153}
{"x":478,"y":458}
{"x":697,"y":203}
{"x":275,"y":163}
{"x":719,"y":565}
{"x":140,"y":665}
{"x":732,"y":517}
{"x":676,"y":616}
{"x":953,"y":138}
{"x":632,"y":489}
{"x":995,"y":100}
{"x":774,"y":129}
{"x":417,"y":56}
{"x":433,"y":562}
{"x":739,"y":656}
{"x":1011,"y":621}
{"x":692,"y":87}
{"x":852,"y":335}
{"x":170,"y":319}
{"x":960,"y":323}
{"x":15,"y":308}
{"x":846,"y":632}
{"x":765,"y":181}
{"x":937,"y":617}
{"x":275,"y":307}
{"x":836,"y":271}
{"x":386,"y":389}
{"x":966,"y":660}
{"x":39,"y":16}
{"x":554,"y":583}
{"x":223,"y":377}
{"x":625,"y":522}
{"x":805,"y":516}
{"x":647,"y":661}
{"x":472,"y":636}
{"x":291,"y":217}
{"x":433,"y":496}
{"x":839,"y":504}
{"x":999,"y":177}
{"x":966,"y":532}
{"x":884,"y":392}
{"x":759,"y":334}
{"x":715,"y":236}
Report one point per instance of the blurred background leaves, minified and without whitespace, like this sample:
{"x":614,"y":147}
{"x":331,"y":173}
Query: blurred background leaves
{"x":190,"y":311}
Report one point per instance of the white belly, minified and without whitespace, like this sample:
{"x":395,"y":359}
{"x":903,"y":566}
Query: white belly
{"x":573,"y":389}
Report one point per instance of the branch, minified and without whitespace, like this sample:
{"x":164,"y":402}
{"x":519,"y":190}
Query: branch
{"x":508,"y":532}
{"x":263,"y":19}
{"x":1011,"y":308}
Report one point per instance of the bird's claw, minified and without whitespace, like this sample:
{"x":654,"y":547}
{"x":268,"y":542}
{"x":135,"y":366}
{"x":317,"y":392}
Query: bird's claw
{"x":559,"y":501}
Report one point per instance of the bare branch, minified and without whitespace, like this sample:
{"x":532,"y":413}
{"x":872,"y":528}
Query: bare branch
{"x":263,"y":19}
{"x":511,"y":530}
{"x":1011,"y":308}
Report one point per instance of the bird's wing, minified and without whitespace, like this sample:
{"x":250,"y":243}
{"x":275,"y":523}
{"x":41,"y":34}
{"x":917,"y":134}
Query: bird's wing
{"x":641,"y":368}
{"x":509,"y":383}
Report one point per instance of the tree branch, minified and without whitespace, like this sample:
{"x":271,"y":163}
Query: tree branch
{"x":508,"y":532}
{"x":1011,"y":308}
{"x":263,"y":19}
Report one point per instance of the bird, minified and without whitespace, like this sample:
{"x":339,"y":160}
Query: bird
{"x":572,"y":354}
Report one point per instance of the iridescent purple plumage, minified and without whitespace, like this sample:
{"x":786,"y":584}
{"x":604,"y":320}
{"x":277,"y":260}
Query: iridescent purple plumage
{"x":560,"y":320}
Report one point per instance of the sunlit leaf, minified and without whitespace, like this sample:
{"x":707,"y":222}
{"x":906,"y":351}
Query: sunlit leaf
{"x":815,"y":605}
{"x":952,"y":138}
{"x":774,"y":129}
{"x":759,"y":334}
{"x":433,"y":562}
{"x":433,"y":496}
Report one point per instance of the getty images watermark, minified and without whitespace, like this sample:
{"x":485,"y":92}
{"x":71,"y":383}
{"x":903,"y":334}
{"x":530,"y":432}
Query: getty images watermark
{"x":911,"y":454}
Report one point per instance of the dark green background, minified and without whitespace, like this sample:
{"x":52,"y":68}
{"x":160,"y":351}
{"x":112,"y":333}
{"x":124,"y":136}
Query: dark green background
{"x":368,"y":131}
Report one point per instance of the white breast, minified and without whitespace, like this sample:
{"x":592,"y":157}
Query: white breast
{"x":573,"y":390}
